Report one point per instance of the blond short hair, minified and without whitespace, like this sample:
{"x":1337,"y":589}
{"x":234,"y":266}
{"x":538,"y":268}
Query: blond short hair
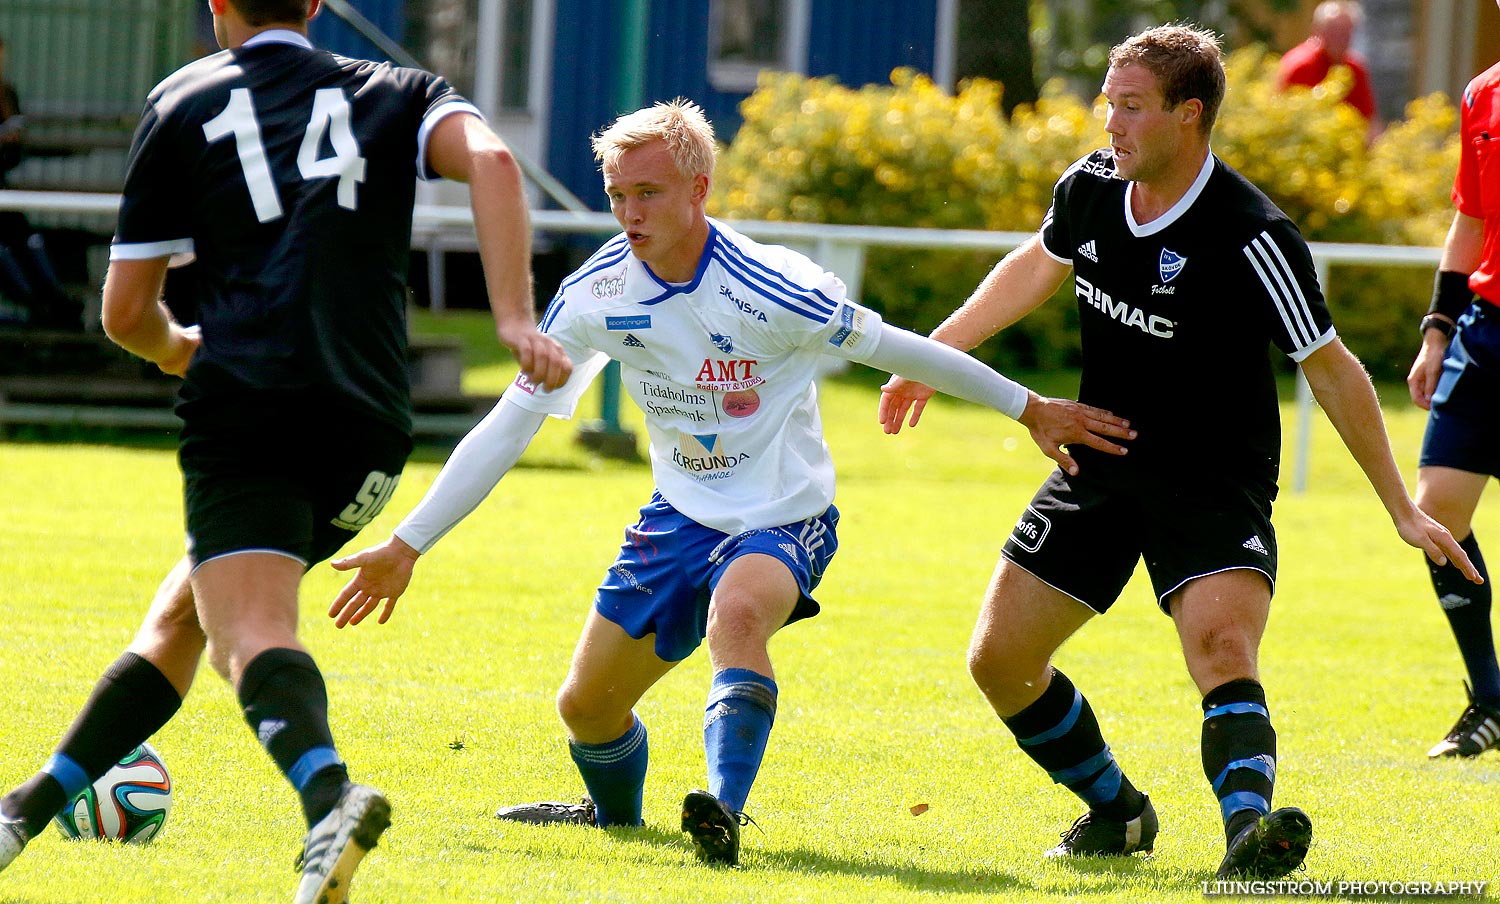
{"x":681,"y":124}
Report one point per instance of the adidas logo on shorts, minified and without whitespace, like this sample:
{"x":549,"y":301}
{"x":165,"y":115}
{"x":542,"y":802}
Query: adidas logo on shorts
{"x":630,"y":341}
{"x":1254,"y":545}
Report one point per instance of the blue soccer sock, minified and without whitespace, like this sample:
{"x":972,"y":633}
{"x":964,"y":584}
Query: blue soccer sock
{"x":736,"y":728}
{"x":615,"y":774}
{"x":285,"y":701}
{"x":1059,"y":731}
{"x":1239,"y":751}
{"x":1467,"y":606}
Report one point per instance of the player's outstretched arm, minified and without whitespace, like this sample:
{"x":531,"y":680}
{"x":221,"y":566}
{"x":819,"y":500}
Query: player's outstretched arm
{"x":1053,"y":422}
{"x":384,"y":574}
{"x":1344,"y":391}
{"x":462,"y":147}
{"x":899,"y":396}
{"x":484,"y":456}
{"x":1018,"y":285}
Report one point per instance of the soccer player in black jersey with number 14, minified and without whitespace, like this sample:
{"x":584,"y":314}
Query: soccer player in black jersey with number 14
{"x":1184,"y":273}
{"x":289,"y":174}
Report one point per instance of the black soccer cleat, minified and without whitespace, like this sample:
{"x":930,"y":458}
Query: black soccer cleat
{"x":715,"y":829}
{"x":551,"y":812}
{"x":1268,"y":848}
{"x":1476,"y":731}
{"x":1091,"y":835}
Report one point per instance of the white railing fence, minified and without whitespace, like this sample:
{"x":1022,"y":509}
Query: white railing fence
{"x":440,"y":229}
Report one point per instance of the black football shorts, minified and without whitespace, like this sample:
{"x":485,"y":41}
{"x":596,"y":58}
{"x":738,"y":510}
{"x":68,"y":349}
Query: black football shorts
{"x":1085,"y":537}
{"x":277,"y":478}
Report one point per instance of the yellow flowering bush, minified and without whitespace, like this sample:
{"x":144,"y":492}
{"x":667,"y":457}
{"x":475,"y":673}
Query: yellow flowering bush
{"x":1303,"y":147}
{"x":911,"y":154}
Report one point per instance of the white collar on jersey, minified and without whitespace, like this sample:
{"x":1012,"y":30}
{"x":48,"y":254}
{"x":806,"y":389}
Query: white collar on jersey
{"x":278,"y":36}
{"x":1177,"y":210}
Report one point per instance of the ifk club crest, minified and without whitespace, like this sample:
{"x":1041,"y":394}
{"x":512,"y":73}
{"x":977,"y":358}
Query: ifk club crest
{"x":1170,"y":264}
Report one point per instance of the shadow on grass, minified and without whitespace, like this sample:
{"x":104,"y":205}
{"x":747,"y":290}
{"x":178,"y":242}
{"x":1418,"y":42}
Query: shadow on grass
{"x":644,"y":844}
{"x":919,"y":878}
{"x":1101,"y":866}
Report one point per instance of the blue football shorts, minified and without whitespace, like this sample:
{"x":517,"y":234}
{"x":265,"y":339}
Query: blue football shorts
{"x":1463,"y":429}
{"x":1085,"y":537}
{"x":669,"y":565}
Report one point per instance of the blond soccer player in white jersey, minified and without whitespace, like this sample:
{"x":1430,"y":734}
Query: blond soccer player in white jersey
{"x":719,"y":339}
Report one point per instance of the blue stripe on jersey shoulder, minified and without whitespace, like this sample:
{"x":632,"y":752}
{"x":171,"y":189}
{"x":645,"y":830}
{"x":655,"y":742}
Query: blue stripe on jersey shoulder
{"x":614,"y":244}
{"x":776,"y":279}
{"x":553,"y":310}
{"x":613,"y":252}
{"x":797,"y":305}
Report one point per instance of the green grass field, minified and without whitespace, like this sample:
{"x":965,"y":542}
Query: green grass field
{"x":449,"y":707}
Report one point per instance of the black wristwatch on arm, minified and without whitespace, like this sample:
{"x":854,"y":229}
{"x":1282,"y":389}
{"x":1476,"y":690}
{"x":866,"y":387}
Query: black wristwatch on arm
{"x":1439,"y":323}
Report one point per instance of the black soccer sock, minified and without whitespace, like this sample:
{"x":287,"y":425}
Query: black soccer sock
{"x":130,"y":702}
{"x":1467,"y":606}
{"x":286,"y":703}
{"x":1239,"y":751}
{"x":1060,"y":733}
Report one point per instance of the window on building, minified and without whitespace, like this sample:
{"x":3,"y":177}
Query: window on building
{"x":515,"y":59}
{"x":746,"y":36}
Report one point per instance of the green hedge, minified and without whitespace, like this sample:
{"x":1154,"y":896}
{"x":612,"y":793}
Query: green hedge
{"x":910,"y":154}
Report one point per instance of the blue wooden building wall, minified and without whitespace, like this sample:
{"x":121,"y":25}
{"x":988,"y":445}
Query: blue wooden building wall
{"x":845,"y":40}
{"x":585,"y":57}
{"x":332,"y":33}
{"x":678,"y":64}
{"x":862,"y":42}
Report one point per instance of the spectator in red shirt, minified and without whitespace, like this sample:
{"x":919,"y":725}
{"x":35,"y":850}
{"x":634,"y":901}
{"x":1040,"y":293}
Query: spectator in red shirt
{"x":1308,"y":64}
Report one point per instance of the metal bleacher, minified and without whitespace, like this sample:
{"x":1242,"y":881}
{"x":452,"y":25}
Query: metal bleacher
{"x":83,"y":68}
{"x":82,"y":380}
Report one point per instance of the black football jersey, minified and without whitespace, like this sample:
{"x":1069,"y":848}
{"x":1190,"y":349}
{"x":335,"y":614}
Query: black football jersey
{"x":1178,"y":316}
{"x":289,"y":174}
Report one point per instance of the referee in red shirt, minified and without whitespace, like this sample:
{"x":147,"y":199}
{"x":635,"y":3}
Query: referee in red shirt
{"x":1457,"y":378}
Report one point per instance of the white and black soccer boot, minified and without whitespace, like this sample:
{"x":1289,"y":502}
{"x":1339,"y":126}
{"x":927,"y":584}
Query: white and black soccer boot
{"x":335,"y":846}
{"x":1477,"y":730}
{"x":1091,"y":835}
{"x":13,"y":839}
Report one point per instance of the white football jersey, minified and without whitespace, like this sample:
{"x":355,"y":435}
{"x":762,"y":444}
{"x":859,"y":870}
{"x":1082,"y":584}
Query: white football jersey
{"x":723,"y":367}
